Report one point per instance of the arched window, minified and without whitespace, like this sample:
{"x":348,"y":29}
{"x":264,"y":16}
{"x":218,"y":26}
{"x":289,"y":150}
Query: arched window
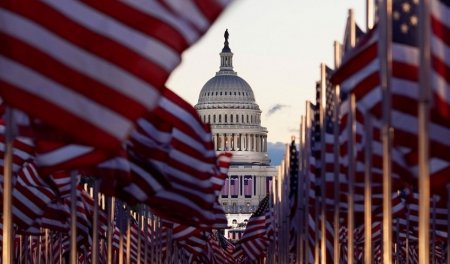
{"x":251,"y":119}
{"x":220,"y":118}
{"x":231,"y":118}
{"x":242,"y":118}
{"x":226,"y":120}
{"x":214,"y":117}
{"x":247,"y":119}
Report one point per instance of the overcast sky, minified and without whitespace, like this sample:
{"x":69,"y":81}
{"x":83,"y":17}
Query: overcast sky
{"x":278,"y":46}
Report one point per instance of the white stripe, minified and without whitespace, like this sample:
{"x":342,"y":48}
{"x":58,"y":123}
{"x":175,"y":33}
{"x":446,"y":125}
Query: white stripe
{"x":440,"y":11}
{"x":148,"y":178}
{"x":189,"y":11}
{"x":82,"y":107}
{"x":440,"y":49}
{"x":405,"y":53}
{"x":185,"y":117}
{"x":153,"y":8}
{"x":86,"y":63}
{"x":441,"y":86}
{"x":143,"y":44}
{"x":62,"y":154}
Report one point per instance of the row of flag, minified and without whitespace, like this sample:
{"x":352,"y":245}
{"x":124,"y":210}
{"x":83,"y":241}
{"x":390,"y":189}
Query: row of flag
{"x":101,"y":163}
{"x":368,"y":180}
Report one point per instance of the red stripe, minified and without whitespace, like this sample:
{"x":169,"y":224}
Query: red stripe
{"x":355,"y":64}
{"x":90,"y":41}
{"x":440,"y":30}
{"x":58,"y":117}
{"x":141,"y":22}
{"x":79,"y":83}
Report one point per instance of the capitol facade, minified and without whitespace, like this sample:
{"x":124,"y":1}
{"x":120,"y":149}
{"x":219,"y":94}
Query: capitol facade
{"x":228,"y":104}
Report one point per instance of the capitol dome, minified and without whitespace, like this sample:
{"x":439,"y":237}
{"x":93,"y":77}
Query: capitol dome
{"x":228,"y":104}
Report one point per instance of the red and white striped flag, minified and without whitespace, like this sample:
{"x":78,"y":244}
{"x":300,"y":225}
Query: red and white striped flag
{"x":91,"y":69}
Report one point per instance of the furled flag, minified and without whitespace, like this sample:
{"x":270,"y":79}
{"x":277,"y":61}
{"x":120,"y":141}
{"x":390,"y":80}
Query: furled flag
{"x":90,"y":68}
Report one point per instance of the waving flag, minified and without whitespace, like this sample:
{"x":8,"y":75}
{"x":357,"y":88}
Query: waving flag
{"x":91,"y":69}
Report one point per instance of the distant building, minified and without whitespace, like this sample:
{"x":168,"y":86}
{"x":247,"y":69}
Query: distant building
{"x":227,"y":103}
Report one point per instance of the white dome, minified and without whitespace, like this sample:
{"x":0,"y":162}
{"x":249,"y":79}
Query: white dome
{"x":227,"y":103}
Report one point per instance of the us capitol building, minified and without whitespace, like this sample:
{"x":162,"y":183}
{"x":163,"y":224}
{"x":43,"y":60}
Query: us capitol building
{"x":227,"y":103}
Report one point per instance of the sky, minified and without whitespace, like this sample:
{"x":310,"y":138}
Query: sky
{"x":278,"y":46}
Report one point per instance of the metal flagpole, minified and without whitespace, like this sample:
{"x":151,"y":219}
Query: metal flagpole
{"x":370,"y":14}
{"x":121,"y":236}
{"x":308,"y":180}
{"x":95,"y":247}
{"x":351,"y":179}
{"x":73,"y":218}
{"x":407,"y":234}
{"x":301,"y":193}
{"x":128,"y":259}
{"x":385,"y":50}
{"x":424,"y":98}
{"x":139,"y":217}
{"x":448,"y":223}
{"x":322,"y":109}
{"x":433,"y":229}
{"x":110,"y":228}
{"x":351,"y":155}
{"x":146,"y":234}
{"x":7,"y":245}
{"x":368,"y":191}
{"x":39,"y":247}
{"x":336,"y":211}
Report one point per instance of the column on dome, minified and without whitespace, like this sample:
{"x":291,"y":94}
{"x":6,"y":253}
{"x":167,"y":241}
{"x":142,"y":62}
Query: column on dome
{"x":254,"y":142}
{"x":232,"y":143}
{"x":215,"y":141}
{"x":240,"y":142}
{"x":246,"y":142}
{"x":265,"y":143}
{"x":224,"y":145}
{"x":259,"y":143}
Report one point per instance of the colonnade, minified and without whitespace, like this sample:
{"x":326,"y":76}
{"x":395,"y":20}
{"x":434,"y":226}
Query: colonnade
{"x":240,"y":142}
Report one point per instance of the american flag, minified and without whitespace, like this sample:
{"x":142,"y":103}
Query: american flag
{"x":294,"y":214}
{"x":226,"y":187}
{"x":440,"y":42}
{"x":248,"y":186}
{"x":255,"y":239}
{"x":234,"y":186}
{"x":92,"y":69}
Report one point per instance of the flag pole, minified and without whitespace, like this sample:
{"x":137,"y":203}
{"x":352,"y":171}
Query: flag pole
{"x":110,"y":228}
{"x":73,"y":218}
{"x":351,"y":179}
{"x":424,"y":98}
{"x":370,"y":13}
{"x":448,"y":223}
{"x":128,"y":259}
{"x":433,"y":229}
{"x":146,"y":234}
{"x":351,"y":155}
{"x":95,"y":247}
{"x":301,"y":192}
{"x":307,"y":182}
{"x":7,"y":245}
{"x":139,"y":238}
{"x":337,"y":63}
{"x":385,"y":49}
{"x":322,"y":109}
{"x":368,"y":191}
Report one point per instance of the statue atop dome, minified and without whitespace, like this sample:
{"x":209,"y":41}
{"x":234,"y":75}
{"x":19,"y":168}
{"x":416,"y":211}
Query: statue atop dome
{"x":226,"y":48}
{"x":226,"y":35}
